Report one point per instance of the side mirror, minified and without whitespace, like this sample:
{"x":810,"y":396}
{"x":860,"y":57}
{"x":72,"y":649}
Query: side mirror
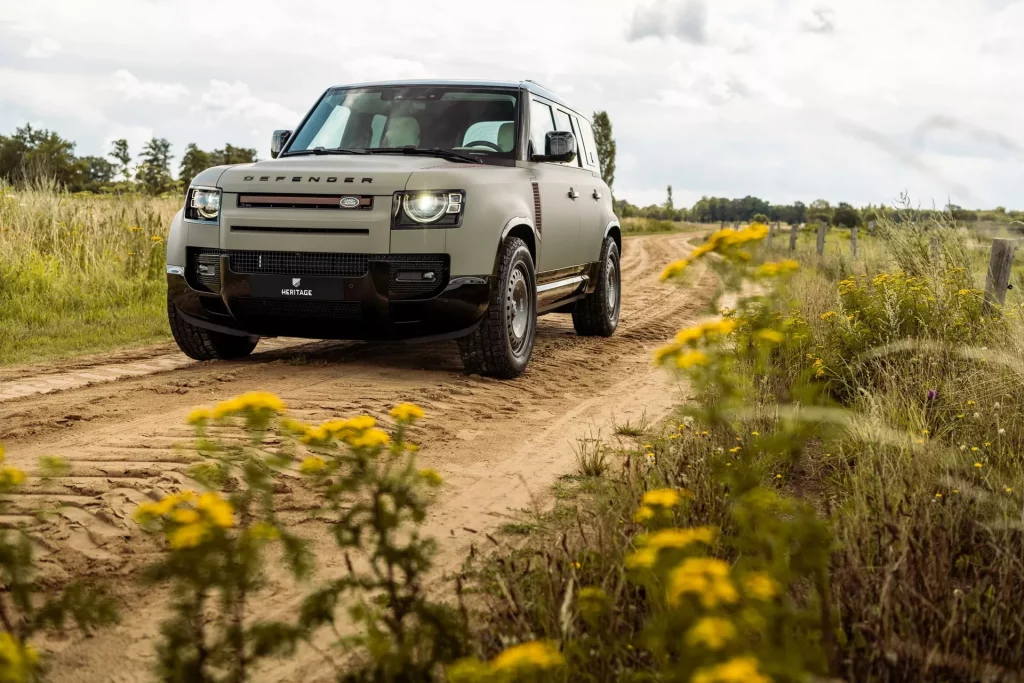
{"x":277,"y":142}
{"x":559,"y":147}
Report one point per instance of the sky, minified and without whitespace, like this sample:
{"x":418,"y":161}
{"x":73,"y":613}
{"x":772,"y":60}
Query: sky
{"x":846,"y":100}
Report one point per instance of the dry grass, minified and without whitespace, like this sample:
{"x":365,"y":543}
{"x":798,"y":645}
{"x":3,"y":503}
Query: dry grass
{"x":80,"y":273}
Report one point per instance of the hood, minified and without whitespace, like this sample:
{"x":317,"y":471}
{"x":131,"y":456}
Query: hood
{"x":334,"y":174}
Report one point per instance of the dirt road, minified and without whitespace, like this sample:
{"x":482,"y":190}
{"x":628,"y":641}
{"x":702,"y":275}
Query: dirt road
{"x":498,"y":444}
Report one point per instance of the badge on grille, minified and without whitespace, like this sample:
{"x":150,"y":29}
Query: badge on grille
{"x":296,"y":281}
{"x":349,"y":202}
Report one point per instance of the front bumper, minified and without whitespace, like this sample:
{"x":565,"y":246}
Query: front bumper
{"x":373,"y":305}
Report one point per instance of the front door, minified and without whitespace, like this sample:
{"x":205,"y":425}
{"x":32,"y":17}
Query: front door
{"x":561,"y":191}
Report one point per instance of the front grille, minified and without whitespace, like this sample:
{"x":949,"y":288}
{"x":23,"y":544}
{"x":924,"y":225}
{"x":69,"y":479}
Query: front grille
{"x":204,"y":267}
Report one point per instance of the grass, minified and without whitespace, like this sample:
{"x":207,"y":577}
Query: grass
{"x":654,"y":226}
{"x":80,"y":273}
{"x":920,"y":478}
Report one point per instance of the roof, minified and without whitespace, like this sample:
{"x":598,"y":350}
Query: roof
{"x":531,"y":86}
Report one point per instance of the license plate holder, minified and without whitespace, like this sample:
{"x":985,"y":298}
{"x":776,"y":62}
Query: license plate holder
{"x":299,"y":288}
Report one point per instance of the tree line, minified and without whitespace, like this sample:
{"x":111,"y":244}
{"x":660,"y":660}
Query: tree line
{"x":36,"y":154}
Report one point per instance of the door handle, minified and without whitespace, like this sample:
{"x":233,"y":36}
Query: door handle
{"x":597,"y":195}
{"x":573,"y":194}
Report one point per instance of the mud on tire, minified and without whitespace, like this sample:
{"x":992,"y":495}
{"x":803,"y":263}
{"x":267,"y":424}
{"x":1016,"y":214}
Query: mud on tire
{"x":597,"y":315}
{"x":501,"y":346}
{"x":202,"y":344}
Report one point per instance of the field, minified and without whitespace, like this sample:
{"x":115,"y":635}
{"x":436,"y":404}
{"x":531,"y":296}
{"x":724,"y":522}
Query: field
{"x":821,"y":481}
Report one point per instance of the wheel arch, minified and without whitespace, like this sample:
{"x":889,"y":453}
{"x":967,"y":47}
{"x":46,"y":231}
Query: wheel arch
{"x":523,"y":228}
{"x":614,"y":230}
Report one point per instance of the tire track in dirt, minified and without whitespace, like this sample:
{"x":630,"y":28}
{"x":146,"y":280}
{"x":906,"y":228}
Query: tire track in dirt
{"x":498,"y":444}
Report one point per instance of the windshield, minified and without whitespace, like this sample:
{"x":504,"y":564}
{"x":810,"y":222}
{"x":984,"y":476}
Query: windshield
{"x":471,"y":121}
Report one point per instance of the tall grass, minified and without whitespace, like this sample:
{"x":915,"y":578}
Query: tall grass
{"x":79,"y":272}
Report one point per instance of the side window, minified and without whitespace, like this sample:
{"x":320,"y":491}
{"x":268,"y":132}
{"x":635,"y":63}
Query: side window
{"x":590,"y":144}
{"x":581,"y":148}
{"x":333,"y":129}
{"x":564,"y":124}
{"x":541,"y":123}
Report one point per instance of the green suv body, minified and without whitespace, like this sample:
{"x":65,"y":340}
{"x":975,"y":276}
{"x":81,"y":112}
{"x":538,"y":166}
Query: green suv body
{"x":403,"y":210}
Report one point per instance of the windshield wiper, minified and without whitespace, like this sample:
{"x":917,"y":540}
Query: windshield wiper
{"x":416,"y":151}
{"x":322,"y":150}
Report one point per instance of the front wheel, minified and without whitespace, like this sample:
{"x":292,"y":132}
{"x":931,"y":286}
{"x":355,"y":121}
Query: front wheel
{"x":202,"y":344}
{"x":597,"y":315}
{"x":501,"y":346}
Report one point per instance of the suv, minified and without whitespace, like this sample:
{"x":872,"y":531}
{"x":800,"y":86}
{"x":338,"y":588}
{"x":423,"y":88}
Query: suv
{"x":403,"y":210}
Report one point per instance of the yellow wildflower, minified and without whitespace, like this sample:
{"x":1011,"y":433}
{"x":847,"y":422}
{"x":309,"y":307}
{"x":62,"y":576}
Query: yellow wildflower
{"x":643,"y":514}
{"x":705,"y":577}
{"x":11,"y":476}
{"x":736,"y":670}
{"x":977,"y":464}
{"x":826,"y":315}
{"x":255,"y":401}
{"x":760,"y":586}
{"x":407,"y":412}
{"x":370,"y":438}
{"x":264,"y":532}
{"x":199,"y":415}
{"x":678,"y":538}
{"x":185,"y":516}
{"x":532,"y":655}
{"x":431,"y":476}
{"x":768,"y":335}
{"x":312,"y":465}
{"x":3,"y":453}
{"x":188,"y":536}
{"x":18,"y":661}
{"x":674,"y":269}
{"x":692,"y":358}
{"x":711,"y":632}
{"x":361,"y":423}
{"x":217,"y":509}
{"x":668,"y":498}
{"x":644,"y":558}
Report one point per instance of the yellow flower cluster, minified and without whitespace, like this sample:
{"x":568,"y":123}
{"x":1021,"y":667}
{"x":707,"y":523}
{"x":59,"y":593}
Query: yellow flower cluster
{"x":525,"y":659}
{"x":777,"y":268}
{"x":18,"y":661}
{"x":357,"y":432}
{"x":714,"y":633}
{"x":649,"y":545}
{"x":658,"y":500}
{"x":431,"y":476}
{"x":759,"y":586}
{"x":704,"y":577}
{"x":736,"y":670}
{"x":9,"y":476}
{"x":682,"y":347}
{"x":727,"y":242}
{"x":407,"y":412}
{"x":188,"y":518}
{"x":251,"y":402}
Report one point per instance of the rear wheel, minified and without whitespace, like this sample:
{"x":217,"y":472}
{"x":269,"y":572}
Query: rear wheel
{"x":501,"y":346}
{"x":202,"y":344}
{"x":597,"y":315}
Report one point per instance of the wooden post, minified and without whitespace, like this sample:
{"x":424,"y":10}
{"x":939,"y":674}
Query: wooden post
{"x":871,"y":227}
{"x":793,"y":229}
{"x":771,"y":234}
{"x":821,"y":238}
{"x":735,"y":225}
{"x":999,"y":265}
{"x":853,"y":241}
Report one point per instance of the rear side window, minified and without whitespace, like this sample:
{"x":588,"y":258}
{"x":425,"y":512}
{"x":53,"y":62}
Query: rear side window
{"x":541,"y":123}
{"x":589,"y":143}
{"x":581,"y":148}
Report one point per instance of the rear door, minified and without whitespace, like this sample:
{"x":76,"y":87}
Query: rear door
{"x":595,"y":197}
{"x":559,"y":195}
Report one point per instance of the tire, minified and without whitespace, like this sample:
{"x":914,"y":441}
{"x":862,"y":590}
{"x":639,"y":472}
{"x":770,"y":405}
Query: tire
{"x":597,"y":315}
{"x":501,"y":346}
{"x":202,"y":344}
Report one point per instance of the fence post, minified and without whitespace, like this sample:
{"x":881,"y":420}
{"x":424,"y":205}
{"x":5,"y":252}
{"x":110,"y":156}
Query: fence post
{"x":821,"y":238}
{"x":853,"y":241}
{"x":1000,"y":263}
{"x":871,"y":227}
{"x":771,"y":234}
{"x":735,"y":225}
{"x":793,"y":229}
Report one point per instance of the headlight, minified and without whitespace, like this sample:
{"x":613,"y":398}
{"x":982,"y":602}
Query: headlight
{"x":203,"y":204}
{"x":441,"y":208}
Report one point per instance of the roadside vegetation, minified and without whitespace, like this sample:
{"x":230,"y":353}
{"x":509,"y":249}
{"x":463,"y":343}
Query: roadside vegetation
{"x":841,"y":500}
{"x":80,"y":273}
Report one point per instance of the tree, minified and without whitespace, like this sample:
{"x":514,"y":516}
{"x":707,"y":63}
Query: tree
{"x":605,"y":146}
{"x":154,"y":172}
{"x":119,"y":152}
{"x":759,"y":218}
{"x":668,"y":202}
{"x":231,"y":155}
{"x":98,"y":173}
{"x":819,"y":211}
{"x":38,"y":154}
{"x":846,"y":216}
{"x":193,"y":162}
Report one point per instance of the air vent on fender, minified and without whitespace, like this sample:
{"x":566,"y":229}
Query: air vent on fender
{"x":536,"y":208}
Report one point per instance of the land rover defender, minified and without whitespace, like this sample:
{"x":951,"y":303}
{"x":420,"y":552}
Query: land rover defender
{"x":403,"y":210}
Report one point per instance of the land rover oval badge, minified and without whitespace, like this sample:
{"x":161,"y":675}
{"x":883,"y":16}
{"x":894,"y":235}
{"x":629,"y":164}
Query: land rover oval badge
{"x":349,"y":202}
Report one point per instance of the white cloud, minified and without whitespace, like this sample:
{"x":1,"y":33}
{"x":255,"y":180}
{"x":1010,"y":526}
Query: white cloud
{"x":155,"y":92}
{"x":224,"y":101}
{"x":41,"y":48}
